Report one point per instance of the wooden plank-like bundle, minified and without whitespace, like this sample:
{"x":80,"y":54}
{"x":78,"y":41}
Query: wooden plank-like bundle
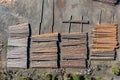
{"x":43,"y":45}
{"x":106,"y":38}
{"x":17,"y":42}
{"x":0,"y":50}
{"x":17,"y":52}
{"x":1,"y":47}
{"x":102,"y":29}
{"x":104,"y":42}
{"x":73,"y":50}
{"x":102,"y":58}
{"x":20,"y":30}
{"x":111,"y":2}
{"x":74,"y":36}
{"x":104,"y":35}
{"x":103,"y":52}
{"x":44,"y":56}
{"x":44,"y":51}
{"x":17,"y":63}
{"x":76,"y":21}
{"x":43,"y":64}
{"x":105,"y":25}
{"x":73,"y":64}
{"x":92,"y":50}
{"x":103,"y":46}
{"x":17,"y":46}
{"x":102,"y":55}
{"x":73,"y":56}
{"x":73,"y":46}
{"x":109,"y":34}
{"x":45,"y":38}
{"x":73,"y":43}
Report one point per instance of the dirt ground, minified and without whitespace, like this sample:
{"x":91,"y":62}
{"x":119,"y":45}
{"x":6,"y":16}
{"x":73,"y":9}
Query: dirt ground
{"x":30,"y":11}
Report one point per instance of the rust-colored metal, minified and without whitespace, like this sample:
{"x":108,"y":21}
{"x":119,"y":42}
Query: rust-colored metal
{"x":45,"y":39}
{"x":105,"y":38}
{"x":44,"y":56}
{"x":76,"y":21}
{"x":73,"y":50}
{"x":73,"y":56}
{"x":18,"y":46}
{"x":43,"y":64}
{"x":46,"y":35}
{"x":1,"y":46}
{"x":104,"y":46}
{"x":102,"y":58}
{"x":44,"y":51}
{"x":111,"y":2}
{"x":49,"y":50}
{"x":72,"y":43}
{"x":73,"y":64}
{"x":104,"y":42}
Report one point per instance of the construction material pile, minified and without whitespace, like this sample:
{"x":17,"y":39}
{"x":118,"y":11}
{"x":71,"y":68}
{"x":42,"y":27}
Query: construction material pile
{"x":17,"y":46}
{"x":44,"y":52}
{"x":111,"y":2}
{"x":73,"y":50}
{"x":104,"y":42}
{"x":0,"y":50}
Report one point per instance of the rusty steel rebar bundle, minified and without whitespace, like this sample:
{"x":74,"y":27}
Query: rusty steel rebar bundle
{"x":44,"y":51}
{"x":104,"y":42}
{"x":111,"y":2}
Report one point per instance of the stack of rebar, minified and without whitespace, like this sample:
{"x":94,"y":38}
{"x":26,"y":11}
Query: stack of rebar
{"x":73,"y":50}
{"x":44,"y":51}
{"x":111,"y":2}
{"x":17,"y":46}
{"x":104,"y":42}
{"x":0,"y":50}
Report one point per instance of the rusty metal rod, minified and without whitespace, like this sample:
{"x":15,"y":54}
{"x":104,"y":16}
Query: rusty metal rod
{"x":53,"y":16}
{"x":76,"y":21}
{"x":70,"y":25}
{"x":100,"y":16}
{"x":82,"y":25}
{"x":41,"y":17}
{"x":107,"y":1}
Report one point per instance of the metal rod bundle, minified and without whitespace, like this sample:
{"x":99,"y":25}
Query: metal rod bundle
{"x":17,"y":46}
{"x":104,"y":42}
{"x":73,"y":50}
{"x":0,"y":50}
{"x":44,"y":51}
{"x":111,"y":2}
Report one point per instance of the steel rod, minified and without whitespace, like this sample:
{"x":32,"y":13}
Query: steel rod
{"x":41,"y":17}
